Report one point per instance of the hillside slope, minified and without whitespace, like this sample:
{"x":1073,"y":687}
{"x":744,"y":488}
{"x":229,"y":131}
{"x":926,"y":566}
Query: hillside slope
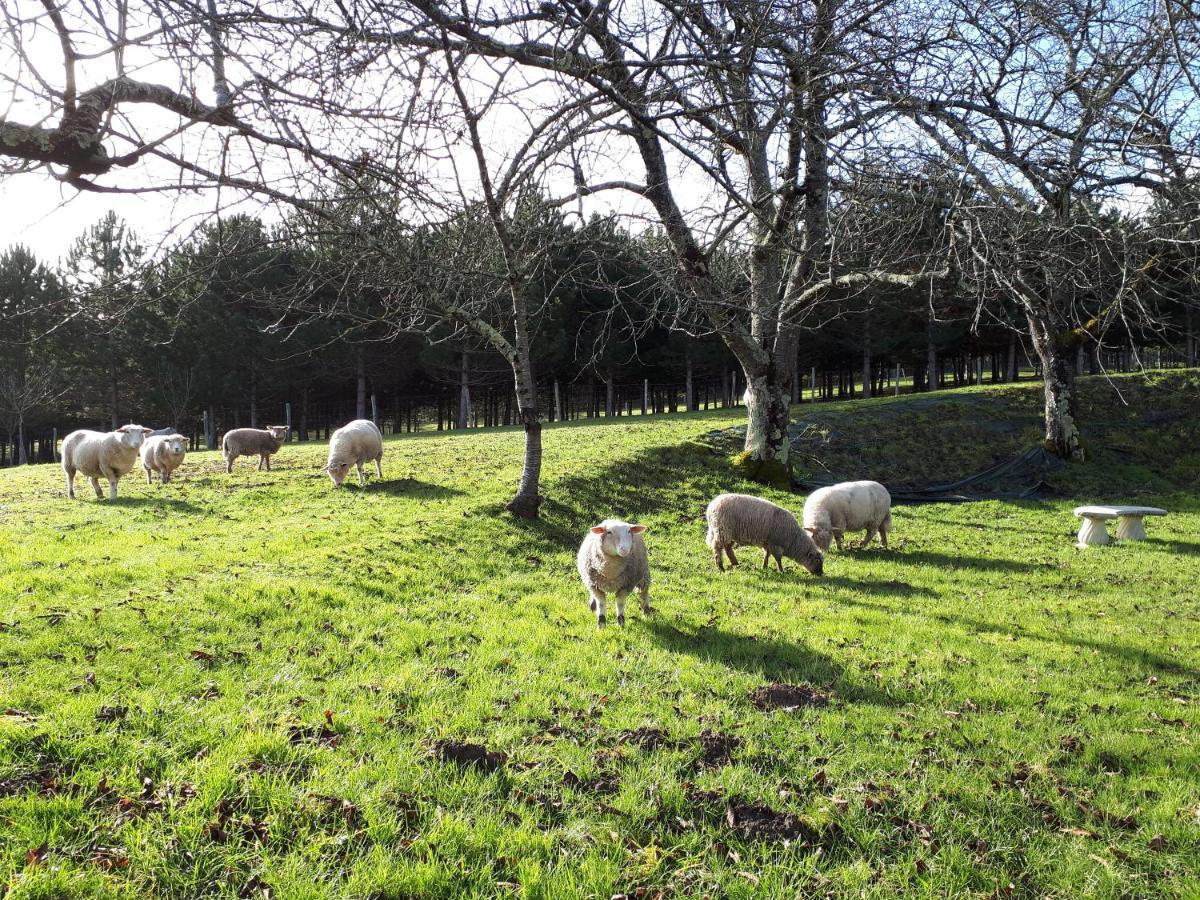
{"x":1142,"y":434}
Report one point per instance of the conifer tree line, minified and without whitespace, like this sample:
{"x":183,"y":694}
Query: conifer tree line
{"x":228,"y":328}
{"x":838,"y":185}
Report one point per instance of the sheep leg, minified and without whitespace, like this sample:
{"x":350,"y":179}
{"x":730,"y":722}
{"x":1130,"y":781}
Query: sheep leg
{"x":149,"y":477}
{"x":621,"y":595}
{"x":362,"y":477}
{"x":96,"y":487}
{"x":112,"y":487}
{"x":871,"y":532}
{"x":262,"y":459}
{"x":164,"y":476}
{"x":644,"y":595}
{"x":268,"y":459}
{"x":597,"y":606}
{"x":70,"y":484}
{"x":379,"y":466}
{"x":766,"y":558}
{"x":719,"y":556}
{"x":229,"y":464}
{"x":837,"y":536}
{"x":729,"y":552}
{"x":883,"y":536}
{"x":779,"y":562}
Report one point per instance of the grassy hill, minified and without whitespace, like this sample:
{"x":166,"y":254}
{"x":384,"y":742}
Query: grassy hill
{"x":237,"y":684}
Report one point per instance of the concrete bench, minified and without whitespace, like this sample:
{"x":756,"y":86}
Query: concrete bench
{"x":1092,"y":531}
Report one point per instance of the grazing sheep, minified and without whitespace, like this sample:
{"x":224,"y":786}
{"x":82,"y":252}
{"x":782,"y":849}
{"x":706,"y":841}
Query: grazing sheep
{"x":612,"y":558}
{"x":163,"y":453}
{"x":101,"y":454}
{"x":741,"y":519}
{"x":259,"y":442}
{"x":353,"y":444}
{"x":849,"y":506}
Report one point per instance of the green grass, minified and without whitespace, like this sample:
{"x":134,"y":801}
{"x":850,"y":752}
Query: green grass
{"x":228,"y":684}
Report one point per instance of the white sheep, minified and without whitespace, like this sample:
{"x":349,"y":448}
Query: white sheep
{"x":830,"y":512}
{"x":353,"y":444}
{"x":612,"y":558}
{"x":163,"y":453}
{"x":754,"y":522}
{"x":101,"y":454}
{"x":263,"y":443}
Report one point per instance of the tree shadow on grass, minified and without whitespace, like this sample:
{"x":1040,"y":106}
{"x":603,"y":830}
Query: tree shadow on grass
{"x":769,"y":659}
{"x":893,"y":587}
{"x":172,"y":503}
{"x":409,"y":487}
{"x":1190,"y":548}
{"x":959,"y":561}
{"x":1129,"y":654}
{"x":647,"y":484}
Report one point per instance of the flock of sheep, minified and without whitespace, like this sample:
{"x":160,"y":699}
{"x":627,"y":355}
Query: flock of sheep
{"x":612,"y":558}
{"x":113,"y":454}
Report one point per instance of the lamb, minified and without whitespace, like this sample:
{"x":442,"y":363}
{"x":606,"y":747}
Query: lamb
{"x":849,"y":506}
{"x":612,"y":558}
{"x":162,"y":453}
{"x":353,"y":444}
{"x":101,"y":454}
{"x":263,"y":443}
{"x":741,"y":519}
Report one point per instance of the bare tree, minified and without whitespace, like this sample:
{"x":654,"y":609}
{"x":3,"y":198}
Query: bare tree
{"x":1053,"y":111}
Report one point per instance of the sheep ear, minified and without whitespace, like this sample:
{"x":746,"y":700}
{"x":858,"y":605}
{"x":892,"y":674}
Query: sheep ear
{"x":636,"y":529}
{"x":810,"y":529}
{"x":147,"y":431}
{"x":597,"y":529}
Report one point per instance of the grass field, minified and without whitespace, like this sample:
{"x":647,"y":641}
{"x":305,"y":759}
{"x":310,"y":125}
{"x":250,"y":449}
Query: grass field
{"x":253,"y":686}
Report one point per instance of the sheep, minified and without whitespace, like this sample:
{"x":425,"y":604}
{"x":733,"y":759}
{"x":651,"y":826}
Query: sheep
{"x":741,"y":519}
{"x":97,"y":454}
{"x":849,"y":506}
{"x":353,"y":444}
{"x":612,"y":558}
{"x":259,"y":442}
{"x":162,"y":453}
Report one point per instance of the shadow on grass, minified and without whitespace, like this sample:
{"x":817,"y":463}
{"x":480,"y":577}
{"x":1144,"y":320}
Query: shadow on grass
{"x":769,"y":659}
{"x":1148,"y":658}
{"x":172,"y":503}
{"x":892,"y":587}
{"x":408,"y":487}
{"x":958,"y":561}
{"x":1191,"y":548}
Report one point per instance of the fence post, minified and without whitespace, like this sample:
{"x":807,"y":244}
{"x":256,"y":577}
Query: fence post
{"x":374,"y":409}
{"x":287,"y":414}
{"x":897,"y":379}
{"x":54,"y":444}
{"x":558,"y":410}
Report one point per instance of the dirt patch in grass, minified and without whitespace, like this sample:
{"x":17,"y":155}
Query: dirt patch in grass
{"x":761,"y":823}
{"x":788,"y":697}
{"x":469,"y":755}
{"x":716,"y":749}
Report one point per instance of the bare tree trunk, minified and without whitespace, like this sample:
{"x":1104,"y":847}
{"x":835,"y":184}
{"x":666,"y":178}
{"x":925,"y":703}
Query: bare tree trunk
{"x":689,"y":387}
{"x":253,"y":393}
{"x":608,"y":393}
{"x":464,"y":393}
{"x":1189,"y":327}
{"x":1011,"y":374}
{"x":1062,"y":434}
{"x":112,"y":392}
{"x":22,"y":459}
{"x":360,"y":400}
{"x":931,"y":357}
{"x":866,"y":358}
{"x":525,"y":504}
